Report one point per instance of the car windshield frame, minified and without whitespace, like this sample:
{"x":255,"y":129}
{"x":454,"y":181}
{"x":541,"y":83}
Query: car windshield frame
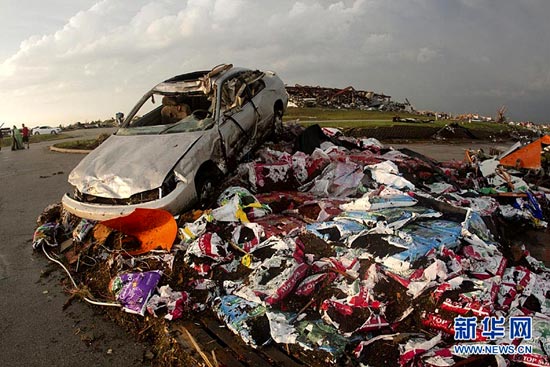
{"x":188,"y":124}
{"x":199,"y":118}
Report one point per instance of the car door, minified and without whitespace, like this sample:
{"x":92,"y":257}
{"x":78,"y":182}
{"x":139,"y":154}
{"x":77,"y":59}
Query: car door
{"x":237,"y":121}
{"x":260,"y":101}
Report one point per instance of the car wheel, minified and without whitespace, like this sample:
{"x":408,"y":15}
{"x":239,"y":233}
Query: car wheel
{"x":207,"y":182}
{"x":277,"y":124}
{"x":37,"y":133}
{"x":53,"y":133}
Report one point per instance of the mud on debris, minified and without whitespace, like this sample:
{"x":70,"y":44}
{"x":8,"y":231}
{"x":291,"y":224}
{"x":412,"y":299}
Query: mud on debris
{"x":367,"y":257}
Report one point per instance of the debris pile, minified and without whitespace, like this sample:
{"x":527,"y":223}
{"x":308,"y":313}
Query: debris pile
{"x":349,"y":98}
{"x":351,"y":253}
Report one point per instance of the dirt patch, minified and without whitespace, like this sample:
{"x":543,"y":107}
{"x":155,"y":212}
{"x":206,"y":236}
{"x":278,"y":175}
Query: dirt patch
{"x":393,"y":132}
{"x":83,"y":144}
{"x":316,"y":246}
{"x":404,"y":133}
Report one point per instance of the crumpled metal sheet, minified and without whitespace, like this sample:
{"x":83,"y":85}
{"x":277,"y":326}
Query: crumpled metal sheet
{"x":116,"y":171}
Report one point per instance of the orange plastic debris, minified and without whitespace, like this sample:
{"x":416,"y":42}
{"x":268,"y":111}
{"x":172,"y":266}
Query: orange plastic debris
{"x":154,"y":228}
{"x":528,"y":156}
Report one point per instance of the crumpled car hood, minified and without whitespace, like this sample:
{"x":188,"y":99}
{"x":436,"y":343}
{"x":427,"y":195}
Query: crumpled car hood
{"x":126,"y":165}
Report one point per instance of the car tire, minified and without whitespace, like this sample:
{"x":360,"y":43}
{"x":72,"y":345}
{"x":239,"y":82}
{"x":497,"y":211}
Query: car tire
{"x":207,"y":182}
{"x":277,"y":124}
{"x":37,"y":133}
{"x":53,"y":133}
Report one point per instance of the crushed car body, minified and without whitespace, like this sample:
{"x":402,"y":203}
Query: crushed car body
{"x":168,"y":155}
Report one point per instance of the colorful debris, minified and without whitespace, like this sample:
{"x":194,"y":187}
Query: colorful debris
{"x":359,"y":256}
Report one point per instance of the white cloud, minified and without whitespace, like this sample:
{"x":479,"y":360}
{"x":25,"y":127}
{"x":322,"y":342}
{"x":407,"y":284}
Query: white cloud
{"x":104,"y":57}
{"x":425,"y":54}
{"x":377,"y":39}
{"x":226,"y":10}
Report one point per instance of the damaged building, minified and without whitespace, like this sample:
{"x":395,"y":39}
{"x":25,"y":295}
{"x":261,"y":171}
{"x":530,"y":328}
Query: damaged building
{"x":349,"y":98}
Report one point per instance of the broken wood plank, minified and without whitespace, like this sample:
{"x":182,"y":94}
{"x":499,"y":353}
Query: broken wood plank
{"x":269,"y":355}
{"x":208,"y":345}
{"x":244,"y":352}
{"x":280,"y":357}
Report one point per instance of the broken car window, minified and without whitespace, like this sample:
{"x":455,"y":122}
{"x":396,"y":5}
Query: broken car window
{"x":241,"y":89}
{"x":174,"y":109}
{"x":231,"y":90}
{"x":189,"y":124}
{"x":178,"y":112}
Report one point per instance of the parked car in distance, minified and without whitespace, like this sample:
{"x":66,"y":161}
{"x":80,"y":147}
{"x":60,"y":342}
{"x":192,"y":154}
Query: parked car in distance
{"x":178,"y":142}
{"x":41,"y":130}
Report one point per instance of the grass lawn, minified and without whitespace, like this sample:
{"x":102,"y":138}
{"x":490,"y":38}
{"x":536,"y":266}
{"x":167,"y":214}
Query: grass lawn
{"x":371,"y":119}
{"x":85,"y":144}
{"x":322,"y":116}
{"x":88,"y":144}
{"x":6,"y":141}
{"x":312,"y":114}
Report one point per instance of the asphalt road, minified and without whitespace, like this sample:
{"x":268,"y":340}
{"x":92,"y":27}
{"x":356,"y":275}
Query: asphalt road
{"x":34,"y":330}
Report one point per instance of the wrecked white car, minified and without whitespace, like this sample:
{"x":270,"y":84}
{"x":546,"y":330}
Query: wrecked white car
{"x":177,"y":143}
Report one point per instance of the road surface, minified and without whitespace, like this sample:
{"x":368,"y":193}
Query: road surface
{"x":34,"y":329}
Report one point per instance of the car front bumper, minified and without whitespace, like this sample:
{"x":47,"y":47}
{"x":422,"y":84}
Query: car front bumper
{"x":182,"y":197}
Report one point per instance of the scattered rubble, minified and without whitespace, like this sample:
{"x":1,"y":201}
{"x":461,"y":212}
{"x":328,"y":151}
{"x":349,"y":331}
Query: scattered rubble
{"x":351,"y":254}
{"x":349,"y":98}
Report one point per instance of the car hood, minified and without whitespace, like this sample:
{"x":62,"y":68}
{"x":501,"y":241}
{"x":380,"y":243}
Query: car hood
{"x":126,"y":165}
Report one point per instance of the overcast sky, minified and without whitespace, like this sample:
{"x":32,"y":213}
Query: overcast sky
{"x":63,"y":61}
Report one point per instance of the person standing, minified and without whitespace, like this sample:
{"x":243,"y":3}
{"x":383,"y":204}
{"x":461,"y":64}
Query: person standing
{"x":16,"y":139}
{"x":25,"y":133}
{"x":119,"y":118}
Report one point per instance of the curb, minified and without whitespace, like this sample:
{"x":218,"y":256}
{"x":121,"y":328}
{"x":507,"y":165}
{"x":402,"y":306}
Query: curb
{"x":63,"y":150}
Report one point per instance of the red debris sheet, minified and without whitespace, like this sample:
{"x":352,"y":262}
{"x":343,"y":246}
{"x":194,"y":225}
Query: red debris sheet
{"x":354,"y":255}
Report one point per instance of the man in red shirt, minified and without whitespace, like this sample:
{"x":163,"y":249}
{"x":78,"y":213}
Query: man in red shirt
{"x":25,"y":133}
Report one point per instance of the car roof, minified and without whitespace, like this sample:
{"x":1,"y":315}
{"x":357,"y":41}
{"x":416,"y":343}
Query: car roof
{"x":190,"y":82}
{"x":186,"y":77}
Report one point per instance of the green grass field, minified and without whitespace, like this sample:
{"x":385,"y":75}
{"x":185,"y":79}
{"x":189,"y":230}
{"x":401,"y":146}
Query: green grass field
{"x":371,"y":119}
{"x":308,"y":114}
{"x":6,"y":141}
{"x":324,"y":117}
